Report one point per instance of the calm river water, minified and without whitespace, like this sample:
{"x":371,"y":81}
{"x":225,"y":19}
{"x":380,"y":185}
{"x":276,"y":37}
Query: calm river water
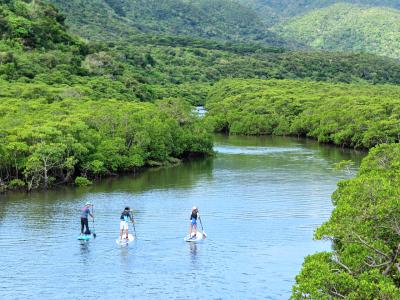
{"x":260,"y":200}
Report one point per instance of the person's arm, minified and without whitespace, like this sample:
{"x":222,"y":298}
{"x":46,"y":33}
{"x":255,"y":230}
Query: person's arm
{"x":90,"y":213}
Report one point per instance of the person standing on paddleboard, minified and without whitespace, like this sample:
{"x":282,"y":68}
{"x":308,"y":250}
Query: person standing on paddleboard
{"x":85,"y":218}
{"x":126,"y":216}
{"x":193,"y":222}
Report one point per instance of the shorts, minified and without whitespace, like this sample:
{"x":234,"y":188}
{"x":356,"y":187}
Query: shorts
{"x":194,"y":221}
{"x":123,"y":225}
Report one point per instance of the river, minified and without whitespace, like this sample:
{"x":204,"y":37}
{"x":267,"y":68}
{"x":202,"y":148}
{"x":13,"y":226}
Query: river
{"x":260,"y":201}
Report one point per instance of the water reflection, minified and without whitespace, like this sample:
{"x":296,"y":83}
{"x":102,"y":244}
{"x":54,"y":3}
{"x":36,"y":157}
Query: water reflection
{"x":84,"y":251}
{"x":193,"y":252}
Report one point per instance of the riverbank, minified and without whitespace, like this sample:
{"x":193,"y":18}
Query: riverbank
{"x":357,"y":116}
{"x":75,"y":141}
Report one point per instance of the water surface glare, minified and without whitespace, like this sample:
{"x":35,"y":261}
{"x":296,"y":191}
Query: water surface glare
{"x":260,"y":199}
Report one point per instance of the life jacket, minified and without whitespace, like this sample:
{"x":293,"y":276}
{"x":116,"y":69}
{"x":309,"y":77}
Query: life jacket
{"x":126,"y":216}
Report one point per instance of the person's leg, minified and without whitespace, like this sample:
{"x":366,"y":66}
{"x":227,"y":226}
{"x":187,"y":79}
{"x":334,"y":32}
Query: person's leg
{"x":195,"y":229}
{"x":121,"y":231}
{"x":87,"y":226}
{"x":82,"y":225}
{"x":127,"y":232}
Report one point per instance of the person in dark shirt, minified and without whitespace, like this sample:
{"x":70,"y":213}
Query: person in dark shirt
{"x":193,"y":222}
{"x":85,"y":213}
{"x":126,"y":217}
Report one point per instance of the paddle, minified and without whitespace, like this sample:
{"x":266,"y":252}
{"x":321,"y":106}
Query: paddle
{"x":134,"y":228}
{"x":202,"y":229}
{"x":94,"y":231}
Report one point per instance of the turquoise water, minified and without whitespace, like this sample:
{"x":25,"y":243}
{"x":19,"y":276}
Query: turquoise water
{"x":260,"y":200}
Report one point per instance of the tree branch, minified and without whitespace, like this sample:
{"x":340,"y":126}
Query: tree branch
{"x":336,"y":260}
{"x":392,"y":261}
{"x":371,"y":247}
{"x":398,"y":267}
{"x":334,"y":292}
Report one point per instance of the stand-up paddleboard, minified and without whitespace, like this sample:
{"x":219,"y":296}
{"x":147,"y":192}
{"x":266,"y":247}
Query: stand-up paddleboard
{"x":84,"y":237}
{"x":125,"y":241}
{"x":199,"y":237}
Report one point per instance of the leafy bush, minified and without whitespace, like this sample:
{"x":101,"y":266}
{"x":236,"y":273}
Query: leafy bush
{"x":82,"y":181}
{"x":16,"y":184}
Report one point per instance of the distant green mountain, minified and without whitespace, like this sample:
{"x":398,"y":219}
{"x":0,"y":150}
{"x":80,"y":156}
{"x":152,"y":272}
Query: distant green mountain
{"x":211,"y":19}
{"x":275,"y":11}
{"x":347,"y":27}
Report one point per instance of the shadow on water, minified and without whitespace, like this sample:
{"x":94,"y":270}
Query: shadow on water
{"x":181,"y":176}
{"x":44,"y":205}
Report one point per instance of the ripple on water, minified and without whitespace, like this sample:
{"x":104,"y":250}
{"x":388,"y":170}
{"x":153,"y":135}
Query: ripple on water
{"x":226,"y":149}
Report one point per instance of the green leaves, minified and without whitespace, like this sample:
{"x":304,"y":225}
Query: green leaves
{"x":347,"y":27}
{"x":359,"y":116}
{"x":364,"y":228}
{"x":51,"y":143}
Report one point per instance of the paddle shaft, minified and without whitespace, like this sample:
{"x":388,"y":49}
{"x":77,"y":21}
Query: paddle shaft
{"x":201,"y":224}
{"x":94,"y":231}
{"x":134,"y":227}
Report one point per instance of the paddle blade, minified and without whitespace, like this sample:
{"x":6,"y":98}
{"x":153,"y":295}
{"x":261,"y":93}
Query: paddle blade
{"x":204,"y":234}
{"x":94,"y":234}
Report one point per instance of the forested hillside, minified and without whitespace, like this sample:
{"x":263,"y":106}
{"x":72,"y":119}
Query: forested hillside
{"x":347,"y":27}
{"x":325,"y":25}
{"x":212,"y":19}
{"x":275,"y":11}
{"x":152,"y":68}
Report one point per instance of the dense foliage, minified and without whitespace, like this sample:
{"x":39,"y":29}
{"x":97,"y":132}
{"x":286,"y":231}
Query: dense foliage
{"x":364,"y":229}
{"x":152,"y":67}
{"x":359,"y":116}
{"x":34,"y":25}
{"x":148,"y":72}
{"x":46,"y":142}
{"x":347,"y":27}
{"x":275,"y":11}
{"x":69,"y":110}
{"x":212,"y":19}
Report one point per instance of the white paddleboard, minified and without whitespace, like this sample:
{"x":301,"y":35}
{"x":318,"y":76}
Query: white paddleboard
{"x":125,"y":241}
{"x":199,"y":237}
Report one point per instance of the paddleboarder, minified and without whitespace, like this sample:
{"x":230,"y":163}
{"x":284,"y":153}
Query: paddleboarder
{"x":126,"y":217}
{"x":85,"y":218}
{"x":193,"y":222}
